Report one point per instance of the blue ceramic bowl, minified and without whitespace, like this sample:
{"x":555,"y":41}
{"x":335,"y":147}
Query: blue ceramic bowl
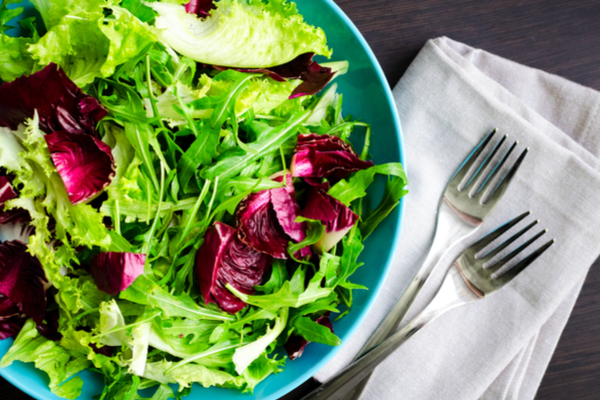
{"x":367,"y":96}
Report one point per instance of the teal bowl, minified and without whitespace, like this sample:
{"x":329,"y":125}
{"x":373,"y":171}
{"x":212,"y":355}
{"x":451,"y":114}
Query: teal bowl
{"x":367,"y":96}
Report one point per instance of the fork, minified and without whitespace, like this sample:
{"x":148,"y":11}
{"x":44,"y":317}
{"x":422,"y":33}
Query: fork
{"x":459,"y":215}
{"x":470,"y":279}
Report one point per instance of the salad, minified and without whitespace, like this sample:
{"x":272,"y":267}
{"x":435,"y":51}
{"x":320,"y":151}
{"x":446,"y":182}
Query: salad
{"x":192,"y":209}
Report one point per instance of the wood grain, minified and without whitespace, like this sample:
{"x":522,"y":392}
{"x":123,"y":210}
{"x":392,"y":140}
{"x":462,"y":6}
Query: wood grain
{"x":560,"y":37}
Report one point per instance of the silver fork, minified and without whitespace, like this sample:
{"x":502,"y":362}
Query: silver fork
{"x":459,"y":215}
{"x":468,"y":281}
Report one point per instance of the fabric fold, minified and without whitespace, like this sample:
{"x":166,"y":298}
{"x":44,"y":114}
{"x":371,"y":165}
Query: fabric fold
{"x":497,"y":348}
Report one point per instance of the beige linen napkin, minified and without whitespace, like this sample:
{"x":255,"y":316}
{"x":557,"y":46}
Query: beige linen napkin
{"x":496,"y":348}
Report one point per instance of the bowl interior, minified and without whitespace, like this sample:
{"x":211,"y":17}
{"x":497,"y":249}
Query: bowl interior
{"x":366,"y":96}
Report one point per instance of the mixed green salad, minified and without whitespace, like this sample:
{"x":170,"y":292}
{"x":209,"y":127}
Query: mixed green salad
{"x":189,"y":203}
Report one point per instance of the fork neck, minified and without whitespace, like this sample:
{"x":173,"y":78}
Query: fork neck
{"x":450,"y":229}
{"x":452,"y":293}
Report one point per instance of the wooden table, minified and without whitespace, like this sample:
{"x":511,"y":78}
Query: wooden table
{"x":560,"y":37}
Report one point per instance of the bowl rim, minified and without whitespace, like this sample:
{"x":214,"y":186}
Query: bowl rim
{"x":376,"y":289}
{"x":360,"y":316}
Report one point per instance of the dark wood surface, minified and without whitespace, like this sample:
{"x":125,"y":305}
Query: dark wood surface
{"x":558,"y":36}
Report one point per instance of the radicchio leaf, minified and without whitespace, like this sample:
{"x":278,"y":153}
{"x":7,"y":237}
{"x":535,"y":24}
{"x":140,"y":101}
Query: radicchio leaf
{"x":337,"y":218}
{"x":84,"y":163}
{"x":201,"y":8}
{"x":267,"y":221}
{"x":49,"y":329}
{"x":314,"y":77}
{"x":325,"y":156}
{"x":113,"y":272}
{"x":60,"y":103}
{"x":15,"y":215}
{"x":295,"y":344}
{"x":10,"y":327}
{"x":8,"y":308}
{"x":11,"y":319}
{"x":289,"y":185}
{"x":22,"y":280}
{"x":223,"y":258}
{"x":6,"y":190}
{"x":314,"y":80}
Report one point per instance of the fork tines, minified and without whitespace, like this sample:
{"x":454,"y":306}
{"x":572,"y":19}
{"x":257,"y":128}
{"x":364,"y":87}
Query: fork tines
{"x":485,"y":272}
{"x":488,"y":179}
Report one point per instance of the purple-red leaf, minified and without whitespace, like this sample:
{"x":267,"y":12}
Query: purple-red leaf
{"x":6,"y":190}
{"x":59,"y":102}
{"x":223,"y":258}
{"x":14,"y":216}
{"x":314,"y":80}
{"x":289,"y":185}
{"x":314,"y":76}
{"x":337,"y":218}
{"x":104,"y":350}
{"x":22,"y":280}
{"x":325,"y":156}
{"x":49,"y":329}
{"x":113,"y":272}
{"x":10,"y":327}
{"x":84,"y":163}
{"x":295,"y":344}
{"x":7,"y":193}
{"x":267,"y":221}
{"x":201,"y":8}
{"x":8,"y":308}
{"x":287,"y":210}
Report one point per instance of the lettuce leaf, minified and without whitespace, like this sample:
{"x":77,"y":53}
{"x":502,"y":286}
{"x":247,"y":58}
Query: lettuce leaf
{"x":43,"y":194}
{"x":185,"y":375}
{"x":128,"y":36}
{"x":77,"y":224}
{"x":264,"y":34}
{"x":85,"y":43}
{"x":15,"y":60}
{"x":245,"y":355}
{"x":51,"y":358}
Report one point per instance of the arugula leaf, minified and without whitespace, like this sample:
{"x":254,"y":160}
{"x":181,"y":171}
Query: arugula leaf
{"x":394,"y":191}
{"x":145,"y":291}
{"x":290,"y":295}
{"x":6,"y":14}
{"x":348,"y":190}
{"x":314,"y":332}
{"x":353,"y":246}
{"x":279,"y":275}
{"x":201,"y":152}
{"x":314,"y":233}
{"x":231,"y":165}
{"x":139,"y":10}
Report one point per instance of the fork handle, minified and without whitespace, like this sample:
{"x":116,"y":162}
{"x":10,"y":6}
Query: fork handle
{"x":360,"y":369}
{"x":448,"y":232}
{"x":452,"y":293}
